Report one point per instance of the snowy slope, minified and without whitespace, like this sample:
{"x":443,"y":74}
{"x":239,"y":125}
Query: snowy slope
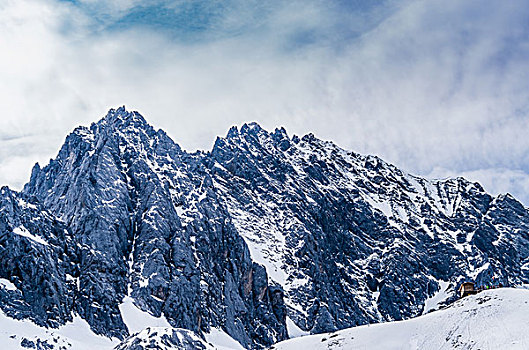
{"x":76,"y":335}
{"x":493,"y":319}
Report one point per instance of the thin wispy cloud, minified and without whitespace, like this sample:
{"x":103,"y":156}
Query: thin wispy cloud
{"x":436,"y":87}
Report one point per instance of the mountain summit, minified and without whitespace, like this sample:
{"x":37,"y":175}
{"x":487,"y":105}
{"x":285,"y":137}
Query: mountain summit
{"x":263,"y":236}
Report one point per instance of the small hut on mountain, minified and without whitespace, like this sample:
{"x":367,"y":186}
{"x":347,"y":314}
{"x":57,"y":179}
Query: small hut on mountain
{"x":467,"y":288}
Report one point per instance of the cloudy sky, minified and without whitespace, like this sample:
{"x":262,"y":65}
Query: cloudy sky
{"x":437,"y":87}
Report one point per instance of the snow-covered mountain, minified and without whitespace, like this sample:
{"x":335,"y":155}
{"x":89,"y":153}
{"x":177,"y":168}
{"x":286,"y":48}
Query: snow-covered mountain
{"x":354,"y":240}
{"x":264,"y":236}
{"x":493,"y":319}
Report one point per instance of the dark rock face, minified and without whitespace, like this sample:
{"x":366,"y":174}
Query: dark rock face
{"x":147,"y":218}
{"x":263,"y":226}
{"x":36,"y":255}
{"x":353,"y":239}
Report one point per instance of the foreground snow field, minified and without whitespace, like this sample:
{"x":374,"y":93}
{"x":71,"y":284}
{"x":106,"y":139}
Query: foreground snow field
{"x":493,"y":319}
{"x":76,"y":335}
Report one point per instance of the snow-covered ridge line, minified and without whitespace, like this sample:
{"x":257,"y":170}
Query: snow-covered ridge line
{"x":22,"y":231}
{"x":493,"y":319}
{"x":281,"y":181}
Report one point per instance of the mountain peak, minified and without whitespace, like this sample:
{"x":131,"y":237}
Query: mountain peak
{"x":5,"y":190}
{"x":252,"y":126}
{"x":121,"y":117}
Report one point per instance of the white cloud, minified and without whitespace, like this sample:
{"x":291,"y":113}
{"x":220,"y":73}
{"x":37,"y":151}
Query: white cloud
{"x":424,"y":84}
{"x":437,"y":84}
{"x":494,"y":180}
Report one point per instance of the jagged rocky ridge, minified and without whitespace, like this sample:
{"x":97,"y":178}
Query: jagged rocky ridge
{"x":262,"y":226}
{"x":164,"y":339}
{"x":147,"y":220}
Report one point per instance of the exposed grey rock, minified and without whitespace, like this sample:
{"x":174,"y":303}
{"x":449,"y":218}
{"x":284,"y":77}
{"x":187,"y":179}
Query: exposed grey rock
{"x":353,"y":239}
{"x":146,"y":213}
{"x":263,"y":226}
{"x":36,"y":255}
